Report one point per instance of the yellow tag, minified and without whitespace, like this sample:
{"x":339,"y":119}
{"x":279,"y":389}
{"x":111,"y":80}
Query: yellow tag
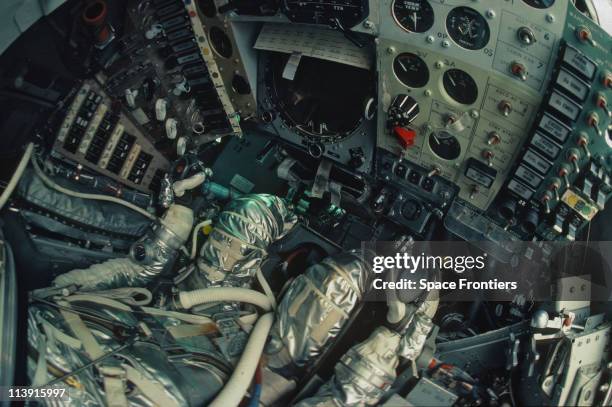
{"x":581,"y":205}
{"x":207,"y":229}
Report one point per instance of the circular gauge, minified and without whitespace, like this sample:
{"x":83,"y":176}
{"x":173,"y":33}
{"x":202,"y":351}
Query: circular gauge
{"x":221,"y":42}
{"x":411,"y":70}
{"x":444,"y":145}
{"x":468,"y":28}
{"x":413,"y":15}
{"x":540,"y":3}
{"x":322,"y":101}
{"x":460,"y":86}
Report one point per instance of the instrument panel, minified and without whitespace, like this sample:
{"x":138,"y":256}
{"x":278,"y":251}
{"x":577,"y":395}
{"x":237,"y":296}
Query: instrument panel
{"x":470,"y":93}
{"x":477,"y":71}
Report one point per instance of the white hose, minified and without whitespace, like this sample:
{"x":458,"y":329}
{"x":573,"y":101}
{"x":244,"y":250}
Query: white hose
{"x":180,"y":187}
{"x":10,"y":187}
{"x":194,"y":238}
{"x":265,"y":287}
{"x":189,"y":299}
{"x":237,"y":386}
{"x":51,"y":184}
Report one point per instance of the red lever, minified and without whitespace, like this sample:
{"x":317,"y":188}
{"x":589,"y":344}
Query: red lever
{"x":404,"y":136}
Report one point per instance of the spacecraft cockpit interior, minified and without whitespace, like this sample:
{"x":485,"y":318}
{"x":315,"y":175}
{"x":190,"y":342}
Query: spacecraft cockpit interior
{"x":306,"y":202}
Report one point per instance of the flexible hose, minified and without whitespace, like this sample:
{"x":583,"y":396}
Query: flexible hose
{"x":266,"y":287}
{"x":189,"y":299}
{"x":10,"y":187}
{"x":51,"y":184}
{"x":238,"y":384}
{"x":194,"y":238}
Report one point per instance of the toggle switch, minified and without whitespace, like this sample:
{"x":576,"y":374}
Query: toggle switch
{"x":593,"y":121}
{"x":526,"y":35}
{"x":583,"y":142}
{"x":602,"y":103}
{"x":505,"y":108}
{"x":554,"y":186}
{"x":545,"y":199}
{"x":434,"y":171}
{"x":488,"y":155}
{"x":474,"y":191}
{"x":564,"y":171}
{"x":607,"y":79}
{"x":573,"y":157}
{"x":584,"y":35}
{"x":494,"y":138}
{"x":519,"y":70}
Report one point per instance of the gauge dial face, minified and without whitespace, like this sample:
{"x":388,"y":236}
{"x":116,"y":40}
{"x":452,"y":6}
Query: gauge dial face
{"x":540,"y":3}
{"x":444,"y":145}
{"x":220,"y":42}
{"x":322,"y":102}
{"x":468,"y":28}
{"x":460,"y":86}
{"x":413,"y":15}
{"x":411,"y":70}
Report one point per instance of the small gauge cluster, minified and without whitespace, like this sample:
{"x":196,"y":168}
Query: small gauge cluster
{"x":477,"y":70}
{"x":466,"y":26}
{"x":342,"y":14}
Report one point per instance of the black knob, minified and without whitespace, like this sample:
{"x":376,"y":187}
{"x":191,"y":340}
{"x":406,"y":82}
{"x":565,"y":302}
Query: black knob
{"x":139,"y":252}
{"x":530,"y":221}
{"x":507,"y":209}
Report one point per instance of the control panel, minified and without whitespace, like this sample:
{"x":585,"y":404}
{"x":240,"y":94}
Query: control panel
{"x":96,"y":134}
{"x":477,"y":72}
{"x":410,"y":195}
{"x":563,"y":177}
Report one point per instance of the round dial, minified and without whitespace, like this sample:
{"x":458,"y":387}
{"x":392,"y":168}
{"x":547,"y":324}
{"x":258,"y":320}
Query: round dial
{"x":221,"y":43}
{"x":468,"y":28}
{"x":540,"y":3}
{"x":322,"y":102}
{"x":460,"y":86}
{"x":444,"y":145}
{"x":413,"y":15}
{"x":411,"y":70}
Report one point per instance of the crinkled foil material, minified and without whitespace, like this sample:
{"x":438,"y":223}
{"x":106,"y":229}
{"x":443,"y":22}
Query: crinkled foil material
{"x":363,"y":374}
{"x":150,"y":256}
{"x":184,"y":380}
{"x":314,"y":310}
{"x":238,"y":243}
{"x":415,"y":336}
